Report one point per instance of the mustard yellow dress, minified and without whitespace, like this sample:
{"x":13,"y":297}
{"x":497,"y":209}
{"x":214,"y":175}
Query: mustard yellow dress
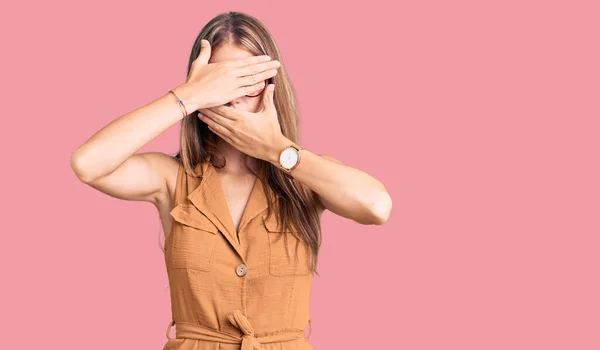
{"x":244,"y":291}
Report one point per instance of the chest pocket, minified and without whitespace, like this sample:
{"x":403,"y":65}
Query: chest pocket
{"x":194,"y":238}
{"x":288,"y":254}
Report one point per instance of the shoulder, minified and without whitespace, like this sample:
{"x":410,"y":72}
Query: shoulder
{"x":163,"y":163}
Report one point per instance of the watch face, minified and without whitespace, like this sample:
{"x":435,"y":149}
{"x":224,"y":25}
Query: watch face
{"x":289,"y":157}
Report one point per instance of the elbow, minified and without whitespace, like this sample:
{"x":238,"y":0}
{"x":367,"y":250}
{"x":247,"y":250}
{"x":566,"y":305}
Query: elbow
{"x":79,"y":168}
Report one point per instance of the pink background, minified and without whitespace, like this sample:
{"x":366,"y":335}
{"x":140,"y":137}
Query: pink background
{"x":481,"y":118}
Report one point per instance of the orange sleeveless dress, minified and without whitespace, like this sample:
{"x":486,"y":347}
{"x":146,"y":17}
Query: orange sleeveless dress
{"x":245,"y":291}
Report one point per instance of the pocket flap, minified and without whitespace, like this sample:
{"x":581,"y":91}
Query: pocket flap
{"x":190,"y":216}
{"x":272,"y":225}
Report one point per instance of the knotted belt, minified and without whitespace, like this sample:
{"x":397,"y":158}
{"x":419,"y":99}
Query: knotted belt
{"x":248,"y":340}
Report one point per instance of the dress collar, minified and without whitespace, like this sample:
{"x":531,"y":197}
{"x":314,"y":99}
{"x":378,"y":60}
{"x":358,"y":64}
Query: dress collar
{"x":209,"y":199}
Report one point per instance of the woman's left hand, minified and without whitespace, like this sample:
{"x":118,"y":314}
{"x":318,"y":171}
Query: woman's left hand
{"x":256,"y":134}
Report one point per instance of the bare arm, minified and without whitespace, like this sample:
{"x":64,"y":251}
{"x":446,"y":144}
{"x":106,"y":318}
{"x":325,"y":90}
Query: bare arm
{"x":363,"y":190}
{"x":343,"y":190}
{"x":108,"y":161}
{"x":141,"y":177}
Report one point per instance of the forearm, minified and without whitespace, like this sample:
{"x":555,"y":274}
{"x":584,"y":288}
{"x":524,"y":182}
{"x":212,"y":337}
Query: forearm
{"x":109,"y":147}
{"x":344,"y":190}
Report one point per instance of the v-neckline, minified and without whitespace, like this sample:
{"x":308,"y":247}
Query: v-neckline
{"x":221,"y":191}
{"x":209,"y":198}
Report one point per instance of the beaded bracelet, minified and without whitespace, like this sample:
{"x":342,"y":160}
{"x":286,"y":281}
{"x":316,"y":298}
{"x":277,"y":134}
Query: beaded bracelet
{"x":181,"y":105}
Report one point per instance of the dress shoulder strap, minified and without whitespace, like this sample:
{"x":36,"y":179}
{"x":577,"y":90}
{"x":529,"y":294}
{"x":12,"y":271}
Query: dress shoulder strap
{"x":180,"y":184}
{"x":185,"y":185}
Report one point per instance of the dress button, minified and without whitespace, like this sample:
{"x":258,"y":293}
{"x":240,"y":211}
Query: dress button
{"x":241,"y":270}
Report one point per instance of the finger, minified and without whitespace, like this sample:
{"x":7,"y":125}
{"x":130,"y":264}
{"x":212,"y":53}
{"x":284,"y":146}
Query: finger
{"x":248,"y":61}
{"x":222,"y":133}
{"x":259,"y":77}
{"x":267,"y":100}
{"x":250,"y":89}
{"x":256,"y":68}
{"x":217,"y":119}
{"x":227,"y":112}
{"x":205,"y":51}
{"x":208,"y":121}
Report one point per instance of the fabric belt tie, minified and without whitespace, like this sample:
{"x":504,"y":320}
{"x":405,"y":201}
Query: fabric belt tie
{"x":248,"y":340}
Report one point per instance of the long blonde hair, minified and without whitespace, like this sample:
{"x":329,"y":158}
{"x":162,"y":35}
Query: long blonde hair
{"x":297,"y":203}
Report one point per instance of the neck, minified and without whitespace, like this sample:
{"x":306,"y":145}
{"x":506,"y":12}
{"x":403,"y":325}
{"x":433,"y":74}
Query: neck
{"x":236,"y":160}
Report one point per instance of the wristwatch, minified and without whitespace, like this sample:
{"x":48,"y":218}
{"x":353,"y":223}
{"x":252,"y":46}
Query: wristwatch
{"x":289,"y":157}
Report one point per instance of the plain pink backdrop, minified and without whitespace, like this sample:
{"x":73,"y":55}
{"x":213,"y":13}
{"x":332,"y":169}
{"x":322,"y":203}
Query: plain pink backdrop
{"x":481,"y":118}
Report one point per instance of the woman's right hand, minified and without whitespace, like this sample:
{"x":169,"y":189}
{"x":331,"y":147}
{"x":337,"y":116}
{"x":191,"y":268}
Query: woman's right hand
{"x":214,"y":84}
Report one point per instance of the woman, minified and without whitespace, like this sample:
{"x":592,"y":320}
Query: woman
{"x":239,"y":204}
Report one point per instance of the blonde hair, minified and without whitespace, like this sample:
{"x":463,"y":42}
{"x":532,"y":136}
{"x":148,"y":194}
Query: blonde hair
{"x":297,"y":205}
